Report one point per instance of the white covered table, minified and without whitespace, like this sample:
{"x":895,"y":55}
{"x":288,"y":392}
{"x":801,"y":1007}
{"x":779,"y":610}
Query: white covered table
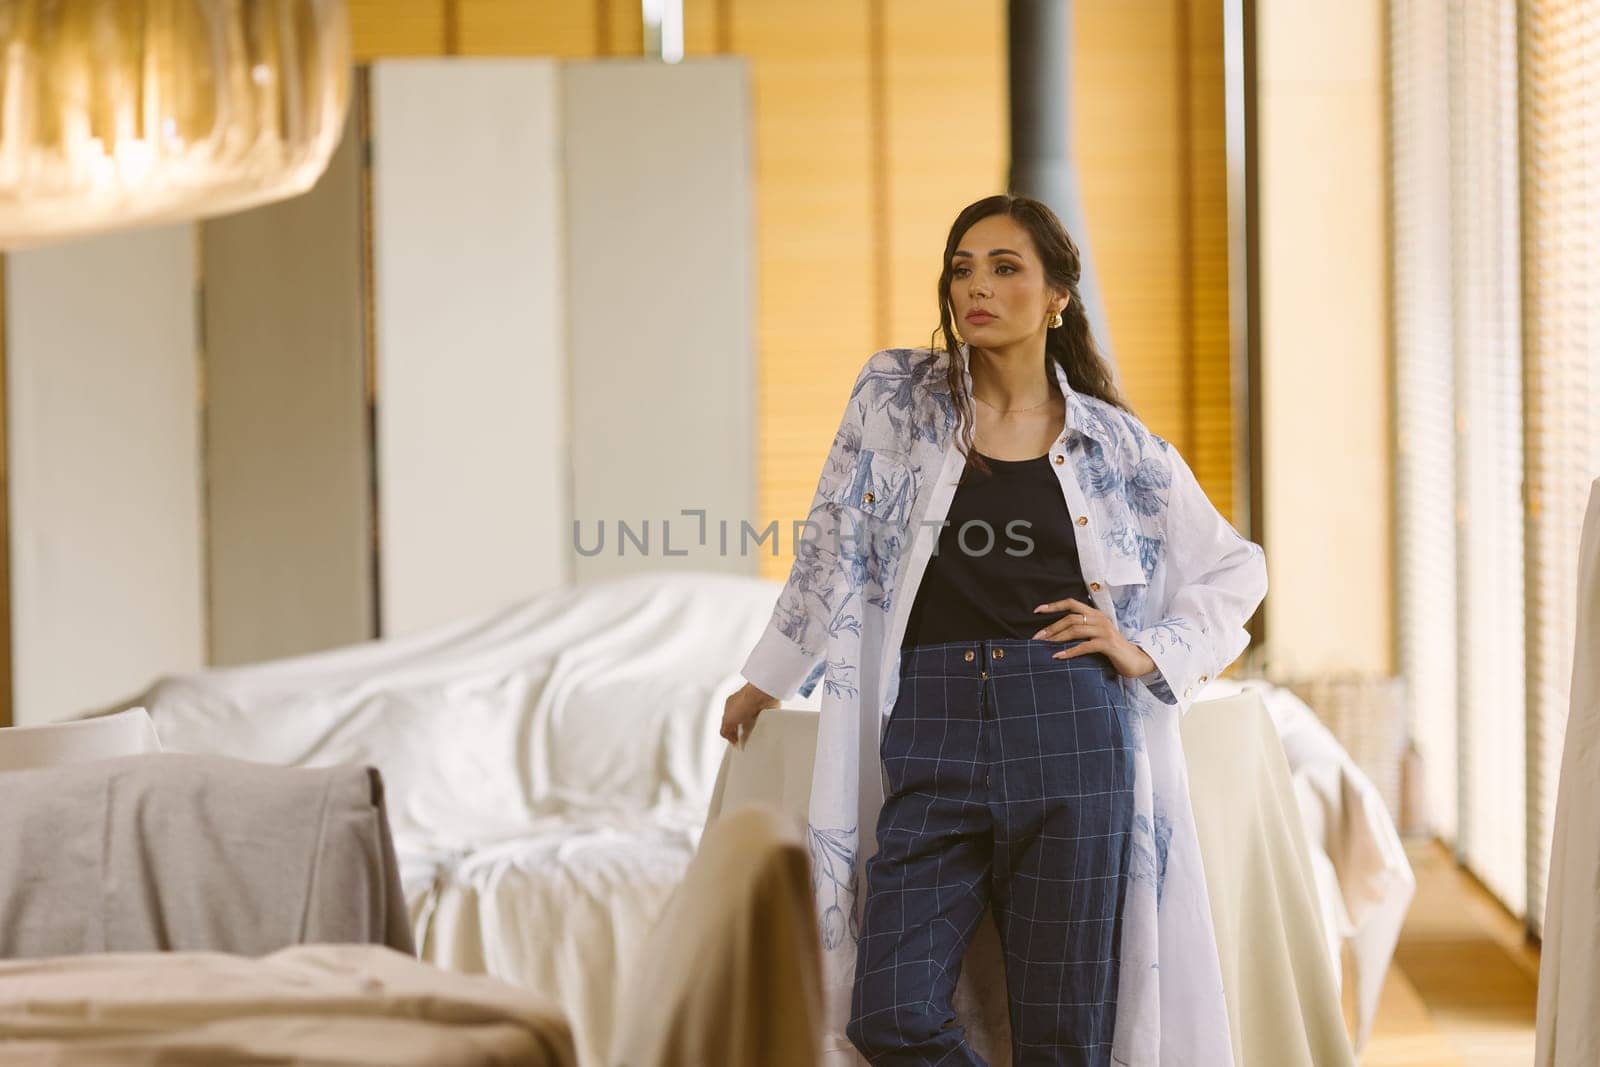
{"x":1282,"y":996}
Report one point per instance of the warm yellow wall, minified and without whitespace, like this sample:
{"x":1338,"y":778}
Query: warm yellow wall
{"x":1209,"y":440}
{"x":397,"y":27}
{"x":876,"y":121}
{"x":1324,"y":304}
{"x":1148,"y":110}
{"x":944,"y":145}
{"x":576,"y":28}
{"x":1130,"y":141}
{"x":818,"y":276}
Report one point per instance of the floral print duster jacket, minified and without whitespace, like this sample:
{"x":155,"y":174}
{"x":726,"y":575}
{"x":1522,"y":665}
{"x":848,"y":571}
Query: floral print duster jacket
{"x":1159,"y":560}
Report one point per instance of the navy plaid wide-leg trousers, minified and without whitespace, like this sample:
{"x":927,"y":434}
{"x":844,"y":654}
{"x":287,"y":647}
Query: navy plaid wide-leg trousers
{"x":1008,"y":780}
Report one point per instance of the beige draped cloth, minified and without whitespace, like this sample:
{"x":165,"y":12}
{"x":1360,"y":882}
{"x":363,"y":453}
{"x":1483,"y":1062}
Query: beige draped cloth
{"x":1283,"y":1002}
{"x":732,"y":973}
{"x":1283,"y":999}
{"x":1569,"y":964}
{"x":328,"y":1005}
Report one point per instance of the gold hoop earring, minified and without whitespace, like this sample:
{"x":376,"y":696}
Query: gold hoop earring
{"x":1055,"y":321}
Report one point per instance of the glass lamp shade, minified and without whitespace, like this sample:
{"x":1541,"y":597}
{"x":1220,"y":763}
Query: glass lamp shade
{"x":121,"y":113}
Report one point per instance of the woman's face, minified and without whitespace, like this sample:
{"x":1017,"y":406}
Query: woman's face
{"x":997,"y":285}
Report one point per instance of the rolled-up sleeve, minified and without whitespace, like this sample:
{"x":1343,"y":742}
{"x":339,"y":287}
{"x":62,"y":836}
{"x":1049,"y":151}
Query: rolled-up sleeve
{"x":1216,"y":579}
{"x":790,"y":655}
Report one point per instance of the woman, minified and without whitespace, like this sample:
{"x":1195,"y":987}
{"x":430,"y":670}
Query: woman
{"x":1004,"y":722}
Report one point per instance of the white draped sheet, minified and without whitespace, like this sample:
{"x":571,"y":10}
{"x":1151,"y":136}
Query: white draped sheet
{"x":548,"y":767}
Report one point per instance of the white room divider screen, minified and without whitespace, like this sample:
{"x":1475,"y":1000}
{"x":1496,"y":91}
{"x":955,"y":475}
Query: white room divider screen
{"x":520,"y":296}
{"x":556,"y":319}
{"x":469,"y":291}
{"x":661,"y":297}
{"x":288,"y":470}
{"x":103,"y":469}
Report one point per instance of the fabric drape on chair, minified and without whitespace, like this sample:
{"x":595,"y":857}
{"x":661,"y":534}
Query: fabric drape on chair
{"x":168,"y":851}
{"x":732,"y":973}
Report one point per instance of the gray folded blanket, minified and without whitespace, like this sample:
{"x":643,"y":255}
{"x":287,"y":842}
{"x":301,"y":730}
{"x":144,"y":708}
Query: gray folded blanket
{"x":180,"y":852}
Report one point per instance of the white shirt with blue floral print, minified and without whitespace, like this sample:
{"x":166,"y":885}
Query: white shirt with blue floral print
{"x":1174,"y":576}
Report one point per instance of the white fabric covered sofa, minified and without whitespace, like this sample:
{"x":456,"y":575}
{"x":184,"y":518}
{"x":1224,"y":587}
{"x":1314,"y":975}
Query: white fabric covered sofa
{"x":548,"y":769}
{"x":547,"y":766}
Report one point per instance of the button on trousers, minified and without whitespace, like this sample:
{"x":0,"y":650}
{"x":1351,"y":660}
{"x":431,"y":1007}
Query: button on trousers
{"x":1008,"y":782}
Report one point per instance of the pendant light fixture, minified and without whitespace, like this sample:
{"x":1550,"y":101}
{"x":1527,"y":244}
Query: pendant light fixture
{"x":130,"y":112}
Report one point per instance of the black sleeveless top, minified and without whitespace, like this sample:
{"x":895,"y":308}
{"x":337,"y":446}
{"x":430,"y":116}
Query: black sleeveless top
{"x":1007,"y":546}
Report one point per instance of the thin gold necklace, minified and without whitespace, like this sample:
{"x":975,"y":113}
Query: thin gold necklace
{"x":1007,"y":411}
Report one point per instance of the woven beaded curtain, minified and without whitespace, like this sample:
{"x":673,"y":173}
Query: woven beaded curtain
{"x":1560,"y":159}
{"x":1486,"y":269}
{"x":1424,"y":383}
{"x":1458,"y":386}
{"x":1495,"y":150}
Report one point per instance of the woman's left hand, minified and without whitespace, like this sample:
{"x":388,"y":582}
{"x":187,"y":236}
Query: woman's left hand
{"x":1100,"y":636}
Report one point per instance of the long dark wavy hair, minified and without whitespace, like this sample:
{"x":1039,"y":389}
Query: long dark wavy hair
{"x":1071,"y":344}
